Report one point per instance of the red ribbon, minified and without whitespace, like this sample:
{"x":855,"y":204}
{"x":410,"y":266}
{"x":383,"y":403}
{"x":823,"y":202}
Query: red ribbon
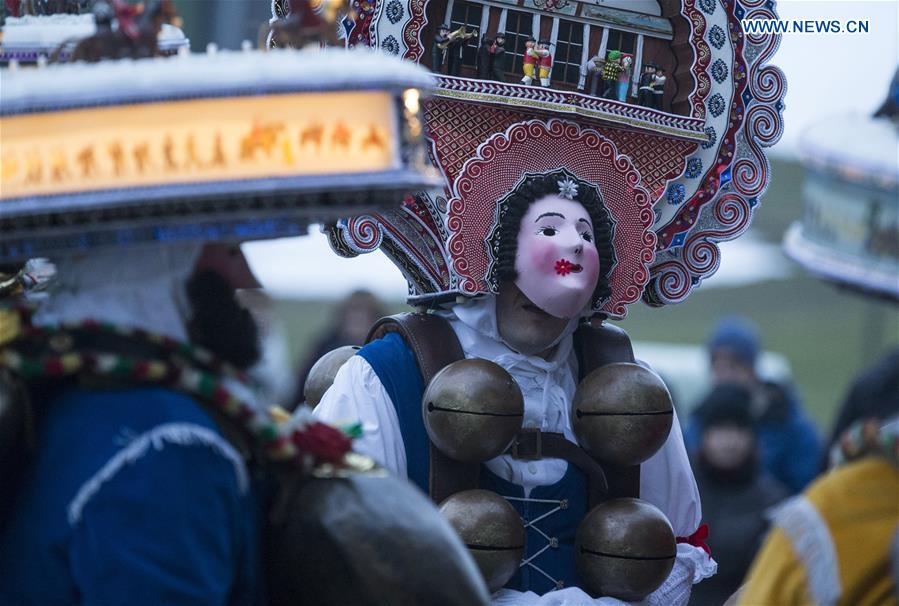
{"x":698,"y":538}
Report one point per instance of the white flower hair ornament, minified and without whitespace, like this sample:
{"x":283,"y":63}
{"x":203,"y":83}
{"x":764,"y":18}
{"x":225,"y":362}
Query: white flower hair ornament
{"x":567,"y":188}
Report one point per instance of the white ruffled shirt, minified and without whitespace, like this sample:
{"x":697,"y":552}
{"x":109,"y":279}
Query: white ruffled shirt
{"x":666,"y":479}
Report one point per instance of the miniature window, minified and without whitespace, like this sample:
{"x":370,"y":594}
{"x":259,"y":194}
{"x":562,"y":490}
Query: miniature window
{"x":519,"y":27}
{"x":469,"y":15}
{"x":569,"y":48}
{"x":625,"y":42}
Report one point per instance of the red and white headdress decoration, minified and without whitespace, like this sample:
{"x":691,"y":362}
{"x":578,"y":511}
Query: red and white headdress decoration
{"x":675,"y":182}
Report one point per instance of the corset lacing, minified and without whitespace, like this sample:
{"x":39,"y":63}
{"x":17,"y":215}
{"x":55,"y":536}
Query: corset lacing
{"x":551,"y":542}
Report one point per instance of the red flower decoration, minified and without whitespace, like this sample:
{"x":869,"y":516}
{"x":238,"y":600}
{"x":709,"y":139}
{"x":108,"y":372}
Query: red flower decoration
{"x":323,"y":442}
{"x":563,"y":267}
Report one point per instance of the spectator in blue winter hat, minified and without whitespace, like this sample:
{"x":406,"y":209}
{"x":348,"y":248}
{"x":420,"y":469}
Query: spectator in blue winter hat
{"x":789,"y":443}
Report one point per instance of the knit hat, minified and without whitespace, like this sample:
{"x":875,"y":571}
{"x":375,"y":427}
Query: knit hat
{"x":727,"y":404}
{"x":738,"y":335}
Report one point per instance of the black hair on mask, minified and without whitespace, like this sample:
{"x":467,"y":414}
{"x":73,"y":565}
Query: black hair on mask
{"x":218,"y":321}
{"x":513,"y":207}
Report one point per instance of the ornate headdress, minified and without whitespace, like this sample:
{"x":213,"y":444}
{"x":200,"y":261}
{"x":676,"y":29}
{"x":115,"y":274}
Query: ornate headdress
{"x":676,"y":182}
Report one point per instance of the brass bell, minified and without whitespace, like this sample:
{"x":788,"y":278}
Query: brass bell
{"x":367,"y":540}
{"x":491,"y":529}
{"x":624,"y":548}
{"x":621,"y":414}
{"x":472,"y":410}
{"x":321,"y":375}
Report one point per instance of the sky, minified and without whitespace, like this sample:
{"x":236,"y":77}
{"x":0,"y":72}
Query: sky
{"x":827,"y":76}
{"x":830,"y":75}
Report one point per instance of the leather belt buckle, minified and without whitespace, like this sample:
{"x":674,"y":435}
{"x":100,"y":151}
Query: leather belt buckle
{"x":528,"y":445}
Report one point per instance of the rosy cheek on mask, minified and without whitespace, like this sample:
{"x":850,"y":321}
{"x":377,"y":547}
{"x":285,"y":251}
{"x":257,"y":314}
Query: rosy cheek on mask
{"x":590,"y":262}
{"x":542,"y":257}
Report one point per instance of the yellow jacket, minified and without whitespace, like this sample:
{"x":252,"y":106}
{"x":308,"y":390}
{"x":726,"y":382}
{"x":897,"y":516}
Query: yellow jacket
{"x":834,"y":544}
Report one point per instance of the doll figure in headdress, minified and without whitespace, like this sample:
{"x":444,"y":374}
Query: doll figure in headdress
{"x":542,"y":253}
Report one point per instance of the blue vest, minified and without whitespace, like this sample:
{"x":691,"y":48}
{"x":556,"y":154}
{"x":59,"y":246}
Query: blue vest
{"x":551,"y":514}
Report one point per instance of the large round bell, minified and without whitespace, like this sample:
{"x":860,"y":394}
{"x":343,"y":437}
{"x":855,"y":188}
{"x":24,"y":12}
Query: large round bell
{"x":321,"y":375}
{"x":472,"y":410}
{"x":491,"y":529}
{"x":368,"y":541}
{"x":621,"y":413}
{"x":624,"y":548}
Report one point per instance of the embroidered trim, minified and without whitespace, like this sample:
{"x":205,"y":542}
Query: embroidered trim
{"x":181,"y":434}
{"x":811,"y":540}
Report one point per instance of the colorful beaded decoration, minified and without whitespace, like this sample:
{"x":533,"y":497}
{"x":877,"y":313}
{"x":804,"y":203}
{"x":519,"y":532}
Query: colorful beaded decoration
{"x":299,"y":440}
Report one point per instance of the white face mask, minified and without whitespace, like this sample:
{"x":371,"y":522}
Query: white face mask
{"x":557,"y":261}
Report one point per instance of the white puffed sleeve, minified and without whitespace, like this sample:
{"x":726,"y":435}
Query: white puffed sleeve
{"x":666,"y":481}
{"x":357,"y":395}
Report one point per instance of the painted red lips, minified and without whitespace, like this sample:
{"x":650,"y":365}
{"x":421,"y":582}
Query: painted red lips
{"x":565,"y":267}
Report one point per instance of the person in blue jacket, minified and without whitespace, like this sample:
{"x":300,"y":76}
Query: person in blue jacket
{"x":789,"y":443}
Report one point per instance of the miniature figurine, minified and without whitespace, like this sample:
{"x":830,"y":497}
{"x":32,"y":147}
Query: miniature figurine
{"x":530,"y":61}
{"x":610,"y":73}
{"x":117,"y":154}
{"x":218,"y":151}
{"x":485,"y":57}
{"x":305,"y":24}
{"x":644,"y":93}
{"x":498,"y":64}
{"x":142,"y":156}
{"x":137,"y":33}
{"x":545,"y":62}
{"x":594,"y":68}
{"x":624,"y":78}
{"x":438,"y":49}
{"x":453,"y":45}
{"x":87,"y":161}
{"x":658,"y":88}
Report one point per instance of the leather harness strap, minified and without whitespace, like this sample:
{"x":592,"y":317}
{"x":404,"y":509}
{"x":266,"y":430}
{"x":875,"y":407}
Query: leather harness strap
{"x":597,"y":344}
{"x":435,"y":345}
{"x":532,"y":444}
